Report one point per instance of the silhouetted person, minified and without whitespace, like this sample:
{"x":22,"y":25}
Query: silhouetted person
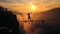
{"x":29,"y":17}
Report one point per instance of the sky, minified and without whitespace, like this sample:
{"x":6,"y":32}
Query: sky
{"x":24,"y":5}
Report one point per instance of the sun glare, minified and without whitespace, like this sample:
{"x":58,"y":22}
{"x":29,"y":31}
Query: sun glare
{"x":33,"y":7}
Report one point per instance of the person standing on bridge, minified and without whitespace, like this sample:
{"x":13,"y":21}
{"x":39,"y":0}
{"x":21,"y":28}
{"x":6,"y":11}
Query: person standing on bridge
{"x":29,"y":17}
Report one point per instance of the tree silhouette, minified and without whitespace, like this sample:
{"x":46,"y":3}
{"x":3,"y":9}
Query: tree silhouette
{"x":9,"y":20}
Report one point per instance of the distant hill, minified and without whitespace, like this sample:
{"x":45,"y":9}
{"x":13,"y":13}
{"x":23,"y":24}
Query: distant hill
{"x":50,"y":14}
{"x":54,"y":11}
{"x":49,"y":20}
{"x":53,"y":14}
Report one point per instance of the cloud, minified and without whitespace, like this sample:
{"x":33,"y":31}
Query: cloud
{"x":4,"y":1}
{"x":20,"y":5}
{"x":34,"y":1}
{"x":9,"y":1}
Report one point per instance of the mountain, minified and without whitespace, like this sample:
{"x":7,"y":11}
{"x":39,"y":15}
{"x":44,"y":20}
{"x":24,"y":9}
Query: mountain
{"x":54,"y":13}
{"x":49,"y":21}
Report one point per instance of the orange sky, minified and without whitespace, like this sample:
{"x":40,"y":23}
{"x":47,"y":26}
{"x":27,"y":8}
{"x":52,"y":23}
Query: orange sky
{"x":24,"y":5}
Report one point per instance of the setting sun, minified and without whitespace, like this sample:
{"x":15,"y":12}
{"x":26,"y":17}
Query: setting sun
{"x":33,"y":7}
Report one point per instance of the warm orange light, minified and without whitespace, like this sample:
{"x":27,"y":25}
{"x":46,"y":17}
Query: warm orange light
{"x":33,"y":7}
